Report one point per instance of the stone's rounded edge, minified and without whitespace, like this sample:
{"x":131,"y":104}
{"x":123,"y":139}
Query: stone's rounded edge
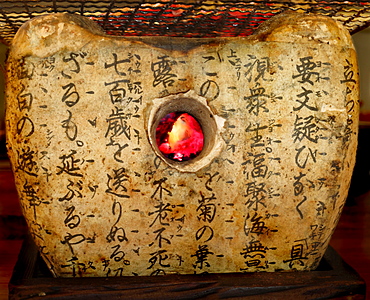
{"x":45,"y":35}
{"x":294,"y":27}
{"x":212,"y":127}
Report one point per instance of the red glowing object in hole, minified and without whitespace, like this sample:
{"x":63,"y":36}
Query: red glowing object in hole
{"x":179,"y":136}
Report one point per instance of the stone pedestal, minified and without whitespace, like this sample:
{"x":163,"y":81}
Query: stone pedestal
{"x":279,"y":113}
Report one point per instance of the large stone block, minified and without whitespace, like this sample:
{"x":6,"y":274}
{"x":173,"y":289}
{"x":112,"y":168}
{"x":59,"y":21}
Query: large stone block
{"x":279,"y":114}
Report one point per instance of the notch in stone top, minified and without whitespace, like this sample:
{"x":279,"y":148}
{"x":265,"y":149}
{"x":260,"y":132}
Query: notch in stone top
{"x":45,"y":35}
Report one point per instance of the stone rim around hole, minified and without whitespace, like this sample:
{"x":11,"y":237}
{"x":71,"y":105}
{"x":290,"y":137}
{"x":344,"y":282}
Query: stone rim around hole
{"x":196,"y":106}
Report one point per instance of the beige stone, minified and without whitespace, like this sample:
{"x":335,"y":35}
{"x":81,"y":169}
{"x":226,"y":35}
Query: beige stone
{"x":279,"y":111}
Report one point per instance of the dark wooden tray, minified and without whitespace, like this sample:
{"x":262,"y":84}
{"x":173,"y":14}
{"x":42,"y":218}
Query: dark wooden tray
{"x":334,"y":279}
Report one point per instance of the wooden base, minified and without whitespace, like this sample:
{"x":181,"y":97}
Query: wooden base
{"x":333,"y":279}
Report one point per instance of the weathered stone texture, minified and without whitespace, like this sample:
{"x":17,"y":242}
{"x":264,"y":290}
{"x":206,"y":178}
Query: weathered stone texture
{"x":280,"y":114}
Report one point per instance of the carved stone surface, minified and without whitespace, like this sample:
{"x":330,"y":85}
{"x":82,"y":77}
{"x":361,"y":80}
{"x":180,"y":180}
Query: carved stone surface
{"x":279,"y":112}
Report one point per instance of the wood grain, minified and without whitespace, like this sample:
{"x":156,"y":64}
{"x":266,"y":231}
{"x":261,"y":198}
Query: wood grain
{"x":333,"y":279}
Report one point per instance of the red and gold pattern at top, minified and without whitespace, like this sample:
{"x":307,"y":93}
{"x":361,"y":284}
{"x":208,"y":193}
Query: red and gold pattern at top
{"x":187,"y":18}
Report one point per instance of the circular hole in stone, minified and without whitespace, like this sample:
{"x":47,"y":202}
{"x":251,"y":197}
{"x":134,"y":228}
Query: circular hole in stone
{"x":179,"y":136}
{"x":193,"y":109}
